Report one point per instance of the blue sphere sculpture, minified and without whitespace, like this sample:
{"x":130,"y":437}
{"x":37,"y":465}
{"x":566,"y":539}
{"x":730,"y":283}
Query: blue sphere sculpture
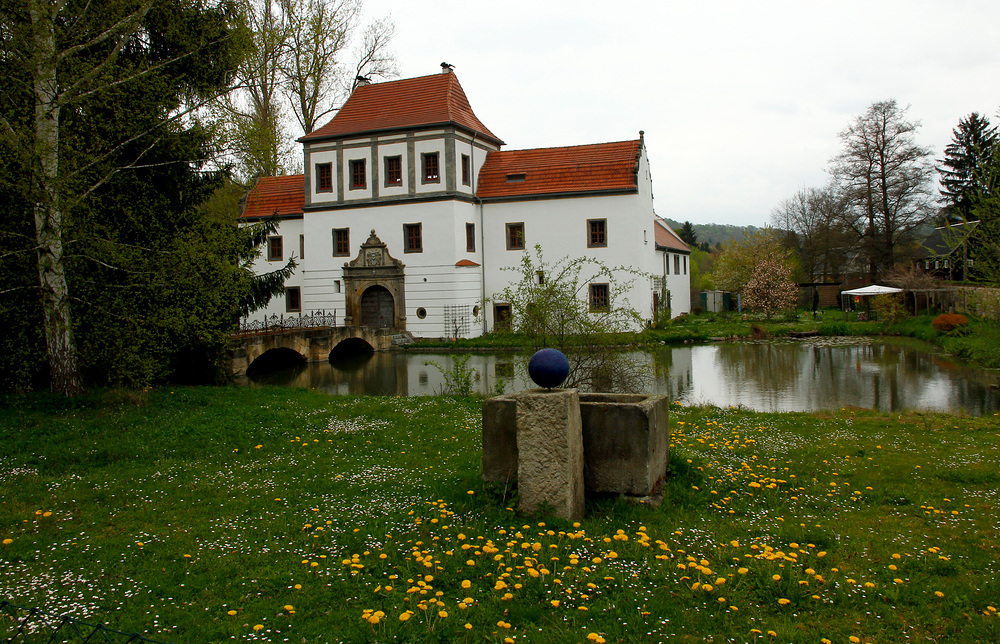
{"x":548,"y":368}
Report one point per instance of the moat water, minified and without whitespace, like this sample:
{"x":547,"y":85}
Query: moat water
{"x":803,"y":375}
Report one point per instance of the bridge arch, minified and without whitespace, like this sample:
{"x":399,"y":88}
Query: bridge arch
{"x":275,"y":358}
{"x":312,"y":344}
{"x":351,"y":347}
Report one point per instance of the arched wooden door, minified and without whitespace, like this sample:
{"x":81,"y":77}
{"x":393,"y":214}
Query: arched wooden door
{"x":377,"y":308}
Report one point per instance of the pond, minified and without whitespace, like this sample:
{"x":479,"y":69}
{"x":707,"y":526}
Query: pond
{"x":803,"y":375}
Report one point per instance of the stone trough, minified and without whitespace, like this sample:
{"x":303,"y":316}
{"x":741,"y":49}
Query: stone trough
{"x":533,"y":437}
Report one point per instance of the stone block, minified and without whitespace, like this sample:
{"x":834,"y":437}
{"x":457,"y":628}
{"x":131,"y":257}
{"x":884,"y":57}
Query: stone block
{"x":550,"y":452}
{"x":626,"y":442}
{"x":500,"y":439}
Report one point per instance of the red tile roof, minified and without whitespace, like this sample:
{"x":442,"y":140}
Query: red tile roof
{"x":599,"y":167}
{"x":412,"y":102}
{"x":283,"y":196}
{"x":665,"y":237}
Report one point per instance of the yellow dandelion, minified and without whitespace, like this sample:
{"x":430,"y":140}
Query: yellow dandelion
{"x":258,"y":627}
{"x":231,"y":613}
{"x":784,"y":602}
{"x":442,"y":614}
{"x":555,"y":603}
{"x":938,"y":593}
{"x":7,"y":542}
{"x":404,"y":616}
{"x":468,"y":626}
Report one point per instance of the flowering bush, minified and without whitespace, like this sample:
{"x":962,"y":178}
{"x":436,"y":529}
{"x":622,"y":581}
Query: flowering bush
{"x":770,"y":287}
{"x":948,"y":321}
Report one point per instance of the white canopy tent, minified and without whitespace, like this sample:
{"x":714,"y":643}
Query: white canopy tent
{"x":874,"y":289}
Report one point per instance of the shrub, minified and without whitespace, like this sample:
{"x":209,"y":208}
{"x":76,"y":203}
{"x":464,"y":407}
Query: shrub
{"x":697,"y":310}
{"x":948,"y":321}
{"x":889,"y":308}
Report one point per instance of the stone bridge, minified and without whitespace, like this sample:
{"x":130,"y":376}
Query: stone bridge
{"x":315,"y":344}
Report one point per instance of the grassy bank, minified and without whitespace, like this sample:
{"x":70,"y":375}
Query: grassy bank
{"x":204,"y":515}
{"x":978,"y":342}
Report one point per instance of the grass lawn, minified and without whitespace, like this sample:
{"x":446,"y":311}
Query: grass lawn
{"x":276,"y":515}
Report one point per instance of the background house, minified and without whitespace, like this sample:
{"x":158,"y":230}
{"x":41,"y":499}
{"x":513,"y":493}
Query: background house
{"x":408,"y":213}
{"x":946,"y":253}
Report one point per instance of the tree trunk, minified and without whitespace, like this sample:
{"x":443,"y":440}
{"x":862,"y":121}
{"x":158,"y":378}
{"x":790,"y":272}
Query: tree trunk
{"x":63,"y":365}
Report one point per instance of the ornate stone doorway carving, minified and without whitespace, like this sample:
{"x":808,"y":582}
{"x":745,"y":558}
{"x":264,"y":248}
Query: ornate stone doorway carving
{"x":373,"y":283}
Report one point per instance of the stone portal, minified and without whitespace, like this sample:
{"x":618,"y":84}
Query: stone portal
{"x":373,"y":282}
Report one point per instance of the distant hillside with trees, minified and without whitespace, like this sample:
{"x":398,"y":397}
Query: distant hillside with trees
{"x":714,"y":234}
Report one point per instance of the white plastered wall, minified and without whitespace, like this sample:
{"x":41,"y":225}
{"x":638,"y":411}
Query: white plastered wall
{"x":289,"y":231}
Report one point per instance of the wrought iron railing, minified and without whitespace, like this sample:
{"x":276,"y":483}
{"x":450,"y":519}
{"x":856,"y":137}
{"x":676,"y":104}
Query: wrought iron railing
{"x":20,"y":625}
{"x":278,"y":323}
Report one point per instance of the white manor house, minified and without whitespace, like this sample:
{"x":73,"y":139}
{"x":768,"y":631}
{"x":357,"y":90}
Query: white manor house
{"x":409,"y":211}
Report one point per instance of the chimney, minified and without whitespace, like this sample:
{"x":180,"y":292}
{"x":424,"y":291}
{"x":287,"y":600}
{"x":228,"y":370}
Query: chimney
{"x":446,"y":68}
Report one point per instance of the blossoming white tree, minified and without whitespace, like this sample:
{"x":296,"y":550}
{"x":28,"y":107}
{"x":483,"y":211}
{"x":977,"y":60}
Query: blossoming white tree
{"x":770,"y":287}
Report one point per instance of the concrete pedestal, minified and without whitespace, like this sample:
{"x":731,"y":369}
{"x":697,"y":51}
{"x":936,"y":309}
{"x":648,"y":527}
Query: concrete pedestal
{"x":550,"y":452}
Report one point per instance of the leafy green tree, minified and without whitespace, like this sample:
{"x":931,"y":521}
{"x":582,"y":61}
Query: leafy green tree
{"x":985,"y":207}
{"x":738,"y":260}
{"x":551,"y":307}
{"x":884,"y":176}
{"x":702,"y":263}
{"x":966,"y":160}
{"x":105,"y":163}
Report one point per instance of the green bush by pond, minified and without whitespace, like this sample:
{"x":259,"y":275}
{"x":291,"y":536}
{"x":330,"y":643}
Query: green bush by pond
{"x":274,"y":514}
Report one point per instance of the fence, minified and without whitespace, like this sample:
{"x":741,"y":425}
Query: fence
{"x":277,"y":323}
{"x":20,"y":625}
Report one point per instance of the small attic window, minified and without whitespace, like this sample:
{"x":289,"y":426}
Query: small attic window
{"x":516,"y":178}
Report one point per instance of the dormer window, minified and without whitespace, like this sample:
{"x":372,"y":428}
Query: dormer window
{"x":431,"y":167}
{"x":516,"y":178}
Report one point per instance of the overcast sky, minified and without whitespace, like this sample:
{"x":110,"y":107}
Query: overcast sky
{"x":741,"y":101}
